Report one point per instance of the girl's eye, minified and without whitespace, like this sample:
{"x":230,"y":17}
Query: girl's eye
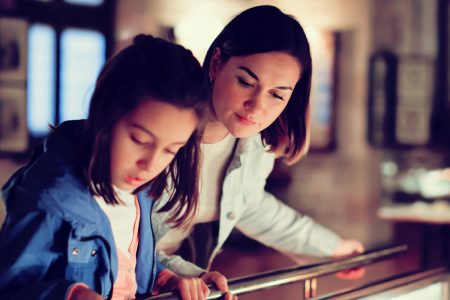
{"x":244,"y":83}
{"x":278,"y":97}
{"x":135,"y":140}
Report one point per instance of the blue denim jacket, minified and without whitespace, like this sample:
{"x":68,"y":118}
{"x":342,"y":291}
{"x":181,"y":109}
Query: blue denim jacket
{"x":55,"y":234}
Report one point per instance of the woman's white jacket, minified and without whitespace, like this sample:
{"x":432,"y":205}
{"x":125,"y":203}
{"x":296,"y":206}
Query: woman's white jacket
{"x":253,"y":211}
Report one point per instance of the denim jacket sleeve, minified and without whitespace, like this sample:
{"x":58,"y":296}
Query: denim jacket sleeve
{"x":28,"y":254}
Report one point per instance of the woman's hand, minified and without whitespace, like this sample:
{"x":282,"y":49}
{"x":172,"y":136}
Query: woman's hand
{"x":220,"y":282}
{"x":348,"y":247}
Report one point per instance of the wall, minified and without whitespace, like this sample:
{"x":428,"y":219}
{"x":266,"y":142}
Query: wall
{"x":341,"y":188}
{"x":7,"y":167}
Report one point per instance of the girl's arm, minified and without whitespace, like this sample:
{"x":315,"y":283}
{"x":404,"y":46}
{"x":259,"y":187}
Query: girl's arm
{"x":31,"y":247}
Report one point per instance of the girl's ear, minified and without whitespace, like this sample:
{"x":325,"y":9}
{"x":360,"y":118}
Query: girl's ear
{"x":214,"y":64}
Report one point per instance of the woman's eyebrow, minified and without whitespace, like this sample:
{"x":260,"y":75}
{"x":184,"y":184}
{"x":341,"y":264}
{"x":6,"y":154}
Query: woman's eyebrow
{"x":250,"y":73}
{"x":284,"y":88}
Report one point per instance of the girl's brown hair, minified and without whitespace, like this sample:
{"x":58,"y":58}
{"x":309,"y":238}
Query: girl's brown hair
{"x":150,"y":67}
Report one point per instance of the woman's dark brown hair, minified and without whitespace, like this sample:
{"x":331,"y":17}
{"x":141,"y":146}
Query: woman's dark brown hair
{"x":263,"y":29}
{"x":150,"y":67}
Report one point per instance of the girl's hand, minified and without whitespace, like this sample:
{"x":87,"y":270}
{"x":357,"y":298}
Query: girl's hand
{"x":82,"y":292}
{"x":191,"y":288}
{"x":348,"y":247}
{"x":220,"y":282}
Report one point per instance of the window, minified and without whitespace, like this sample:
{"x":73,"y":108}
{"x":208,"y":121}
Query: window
{"x":82,"y":55}
{"x":68,"y":42}
{"x":41,"y":77}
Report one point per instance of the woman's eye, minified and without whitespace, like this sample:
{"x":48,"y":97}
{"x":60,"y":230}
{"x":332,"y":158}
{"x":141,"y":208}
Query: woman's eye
{"x":244,"y":83}
{"x":276,"y":96}
{"x":171,"y":151}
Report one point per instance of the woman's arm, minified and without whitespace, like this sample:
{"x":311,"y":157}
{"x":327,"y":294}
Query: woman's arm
{"x":273,"y":223}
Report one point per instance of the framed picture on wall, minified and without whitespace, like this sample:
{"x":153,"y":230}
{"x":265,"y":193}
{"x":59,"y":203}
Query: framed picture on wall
{"x":13,"y":50}
{"x":13,"y":123}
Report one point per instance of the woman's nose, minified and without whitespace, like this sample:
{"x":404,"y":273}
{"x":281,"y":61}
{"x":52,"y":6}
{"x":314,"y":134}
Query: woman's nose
{"x":256,"y":103}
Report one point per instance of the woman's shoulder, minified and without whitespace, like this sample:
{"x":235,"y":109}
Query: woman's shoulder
{"x":253,"y":145}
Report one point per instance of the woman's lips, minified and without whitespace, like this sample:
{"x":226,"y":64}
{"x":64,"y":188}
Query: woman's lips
{"x":245,"y":120}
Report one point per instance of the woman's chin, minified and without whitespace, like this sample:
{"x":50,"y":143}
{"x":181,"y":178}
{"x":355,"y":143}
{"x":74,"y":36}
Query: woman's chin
{"x":242,"y":134}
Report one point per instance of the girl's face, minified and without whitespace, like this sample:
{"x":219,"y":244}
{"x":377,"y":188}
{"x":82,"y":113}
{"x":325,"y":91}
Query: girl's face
{"x":145,"y":141}
{"x":250,"y":92}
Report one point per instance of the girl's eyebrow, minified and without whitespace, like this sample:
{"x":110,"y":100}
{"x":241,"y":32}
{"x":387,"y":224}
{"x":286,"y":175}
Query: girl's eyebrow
{"x":143,"y":129}
{"x":153,"y":135}
{"x":252,"y":74}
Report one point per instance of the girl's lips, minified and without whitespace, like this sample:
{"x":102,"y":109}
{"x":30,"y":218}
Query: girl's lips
{"x":134,"y":181}
{"x":244,"y":120}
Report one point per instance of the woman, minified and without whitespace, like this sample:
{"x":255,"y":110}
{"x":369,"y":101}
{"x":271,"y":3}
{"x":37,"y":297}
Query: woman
{"x":259,"y":69}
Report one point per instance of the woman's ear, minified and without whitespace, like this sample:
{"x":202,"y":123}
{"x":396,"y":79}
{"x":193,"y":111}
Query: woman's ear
{"x":214,"y":64}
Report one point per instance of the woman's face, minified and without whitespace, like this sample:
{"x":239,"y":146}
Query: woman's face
{"x":250,"y":92}
{"x":146,"y":140}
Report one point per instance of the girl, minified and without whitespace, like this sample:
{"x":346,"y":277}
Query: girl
{"x":259,"y":69}
{"x":78,"y":222}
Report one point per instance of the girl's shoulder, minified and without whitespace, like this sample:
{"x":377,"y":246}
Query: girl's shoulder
{"x":51,"y":182}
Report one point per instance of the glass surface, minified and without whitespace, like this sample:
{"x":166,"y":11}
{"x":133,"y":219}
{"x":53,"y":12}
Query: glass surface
{"x":41,"y":79}
{"x":431,"y":292}
{"x":82,"y":55}
{"x":85,"y":2}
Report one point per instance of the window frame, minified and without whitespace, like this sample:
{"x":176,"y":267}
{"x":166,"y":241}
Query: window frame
{"x":60,"y":15}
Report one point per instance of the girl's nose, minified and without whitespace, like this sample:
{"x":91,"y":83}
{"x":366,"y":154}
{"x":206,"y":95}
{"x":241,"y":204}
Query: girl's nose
{"x":147,"y":162}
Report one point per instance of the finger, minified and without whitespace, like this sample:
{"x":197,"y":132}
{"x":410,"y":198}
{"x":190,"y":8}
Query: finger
{"x":220,"y":281}
{"x":193,"y":292}
{"x":229,"y":296}
{"x":204,"y":288}
{"x":198,"y":289}
{"x":183,"y":288}
{"x":359,"y":247}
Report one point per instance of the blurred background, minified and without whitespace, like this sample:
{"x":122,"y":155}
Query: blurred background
{"x":378,"y":170}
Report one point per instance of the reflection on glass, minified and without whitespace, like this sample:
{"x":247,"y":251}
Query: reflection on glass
{"x":433,"y":291}
{"x":41,"y":79}
{"x":82,"y":55}
{"x":85,"y":2}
